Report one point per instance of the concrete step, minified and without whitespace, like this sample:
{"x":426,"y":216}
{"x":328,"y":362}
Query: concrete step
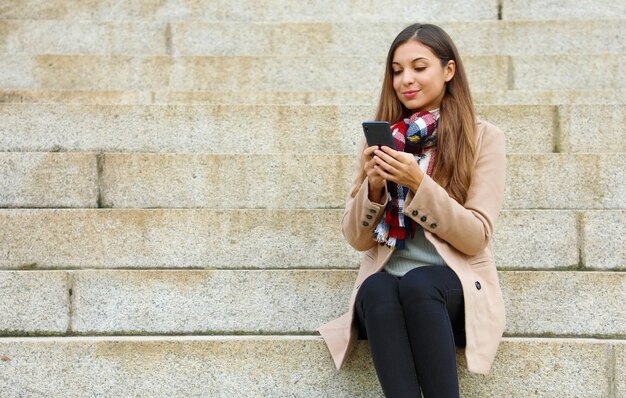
{"x":281,"y":366}
{"x":247,"y":10}
{"x":320,"y":129}
{"x":538,"y":303}
{"x":48,"y":179}
{"x":569,"y":9}
{"x":324,"y":73}
{"x":83,"y":37}
{"x":276,"y":10}
{"x":57,"y":180}
{"x":87,"y":97}
{"x":303,"y":39}
{"x":273,"y":238}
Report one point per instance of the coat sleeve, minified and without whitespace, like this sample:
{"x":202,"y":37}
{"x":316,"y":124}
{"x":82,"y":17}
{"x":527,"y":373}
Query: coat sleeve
{"x":361,"y":217}
{"x":468,"y":227}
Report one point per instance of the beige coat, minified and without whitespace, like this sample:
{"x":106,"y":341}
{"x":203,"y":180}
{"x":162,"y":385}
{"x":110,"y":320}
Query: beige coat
{"x":461,"y":235}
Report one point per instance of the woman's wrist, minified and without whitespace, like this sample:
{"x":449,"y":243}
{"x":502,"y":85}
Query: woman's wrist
{"x":375,"y":195}
{"x":416,"y":182}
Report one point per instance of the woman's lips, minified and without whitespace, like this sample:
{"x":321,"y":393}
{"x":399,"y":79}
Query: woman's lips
{"x":410,"y":94}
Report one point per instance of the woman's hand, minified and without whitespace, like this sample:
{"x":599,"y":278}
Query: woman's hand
{"x":399,"y":167}
{"x":376,"y":182}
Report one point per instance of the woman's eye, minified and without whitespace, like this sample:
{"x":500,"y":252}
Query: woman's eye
{"x":420,"y":68}
{"x":396,"y":72}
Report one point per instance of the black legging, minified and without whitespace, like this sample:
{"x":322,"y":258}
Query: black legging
{"x":413,"y":324}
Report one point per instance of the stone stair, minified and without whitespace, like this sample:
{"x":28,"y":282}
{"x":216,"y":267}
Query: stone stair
{"x":172,"y":177}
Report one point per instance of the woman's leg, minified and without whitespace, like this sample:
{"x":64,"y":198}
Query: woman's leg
{"x":379,"y":312}
{"x":432,"y":299}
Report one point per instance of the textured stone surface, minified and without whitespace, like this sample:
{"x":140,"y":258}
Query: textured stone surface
{"x":48,"y":179}
{"x":245,"y":238}
{"x":547,"y":181}
{"x":277,"y":128}
{"x":181,"y":367}
{"x":82,"y":37}
{"x":565,"y":181}
{"x":528,"y":129}
{"x":537,"y":303}
{"x":593,"y":128}
{"x":226,"y":181}
{"x":33,"y":301}
{"x":545,"y":368}
{"x":173,"y":238}
{"x":369,"y":98}
{"x":558,"y":37}
{"x":267,"y":301}
{"x":239,"y":98}
{"x":564,"y":303}
{"x":124,"y":72}
{"x":471,"y":38}
{"x":619,"y":368}
{"x":570,"y":9}
{"x":612,"y":174}
{"x":277,"y":366}
{"x":555,"y":97}
{"x":604,"y":239}
{"x":323,"y":73}
{"x":212,"y":129}
{"x":16,"y":71}
{"x":247,"y":10}
{"x":84,"y":97}
{"x":288,"y":38}
{"x":526,"y":239}
{"x":558,"y":72}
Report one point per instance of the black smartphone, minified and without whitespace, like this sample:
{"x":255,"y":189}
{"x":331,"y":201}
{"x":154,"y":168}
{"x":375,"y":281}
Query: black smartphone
{"x":378,"y":133}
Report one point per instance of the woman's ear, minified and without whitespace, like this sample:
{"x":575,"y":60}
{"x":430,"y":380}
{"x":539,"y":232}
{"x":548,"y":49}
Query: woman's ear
{"x":449,"y":69}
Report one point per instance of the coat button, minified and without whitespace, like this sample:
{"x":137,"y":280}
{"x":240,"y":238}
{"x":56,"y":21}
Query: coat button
{"x":477,"y":285}
{"x":368,"y":216}
{"x":372,"y":211}
{"x":415,"y":213}
{"x":424,"y":218}
{"x":433,"y":225}
{"x":365,"y":223}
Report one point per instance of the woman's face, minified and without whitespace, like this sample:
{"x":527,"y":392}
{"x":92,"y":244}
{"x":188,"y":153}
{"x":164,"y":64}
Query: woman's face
{"x":418,"y":77}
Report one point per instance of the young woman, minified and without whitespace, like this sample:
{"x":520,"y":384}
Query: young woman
{"x":424,"y":214}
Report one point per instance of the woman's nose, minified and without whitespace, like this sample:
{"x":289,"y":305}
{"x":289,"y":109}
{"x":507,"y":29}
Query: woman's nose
{"x":407,"y":77}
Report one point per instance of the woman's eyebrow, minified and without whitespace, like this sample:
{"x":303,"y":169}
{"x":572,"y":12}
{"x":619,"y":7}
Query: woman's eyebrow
{"x":416,"y":59}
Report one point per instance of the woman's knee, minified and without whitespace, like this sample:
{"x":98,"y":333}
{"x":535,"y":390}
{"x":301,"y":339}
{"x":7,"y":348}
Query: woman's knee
{"x":420,"y":284}
{"x":380,"y":287}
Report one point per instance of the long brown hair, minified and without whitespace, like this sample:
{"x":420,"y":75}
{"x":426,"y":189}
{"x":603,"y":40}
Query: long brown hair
{"x":456,"y":147}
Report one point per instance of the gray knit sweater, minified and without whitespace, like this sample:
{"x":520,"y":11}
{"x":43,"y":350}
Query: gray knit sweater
{"x":417,"y":252}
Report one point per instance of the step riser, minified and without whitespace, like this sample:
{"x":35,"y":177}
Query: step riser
{"x":570,"y":9}
{"x":302,"y":39}
{"x":199,"y":302}
{"x":34,"y":302}
{"x":247,"y":10}
{"x":603,"y":240}
{"x":299,"y":367}
{"x":51,"y":180}
{"x":48,"y":180}
{"x":276,"y":238}
{"x":92,"y":72}
{"x":538,"y":97}
{"x":327,"y":10}
{"x":276,"y":128}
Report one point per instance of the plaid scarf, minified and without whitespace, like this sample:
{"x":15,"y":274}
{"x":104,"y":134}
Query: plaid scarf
{"x":416,"y":135}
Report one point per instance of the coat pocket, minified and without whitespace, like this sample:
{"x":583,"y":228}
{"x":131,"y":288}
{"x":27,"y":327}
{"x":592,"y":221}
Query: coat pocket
{"x":481,"y":261}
